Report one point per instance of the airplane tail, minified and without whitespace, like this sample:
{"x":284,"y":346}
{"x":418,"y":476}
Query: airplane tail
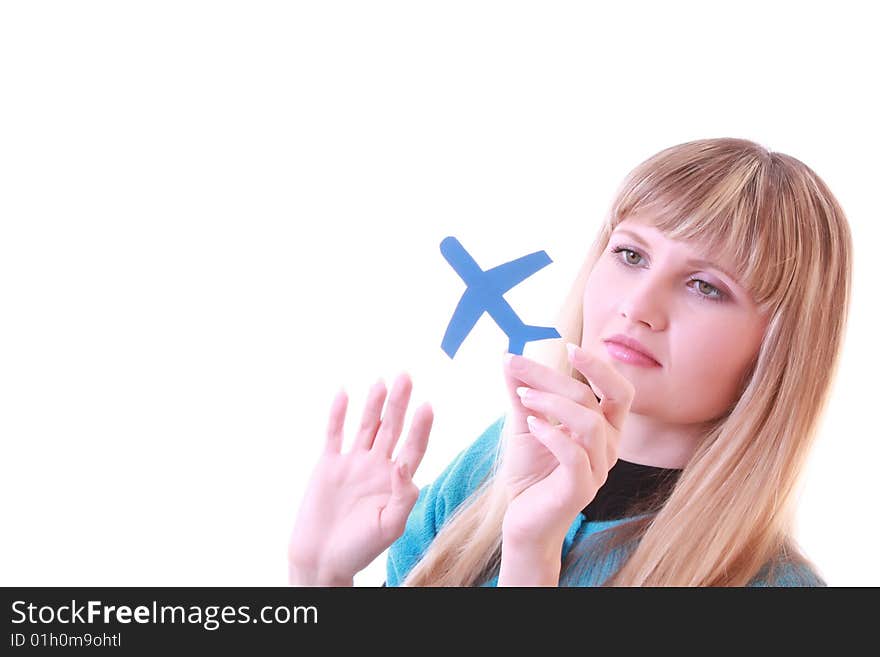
{"x":530,"y":334}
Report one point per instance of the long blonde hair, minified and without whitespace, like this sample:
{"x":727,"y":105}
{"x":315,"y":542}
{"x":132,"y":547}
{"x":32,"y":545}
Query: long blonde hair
{"x":732,"y":510}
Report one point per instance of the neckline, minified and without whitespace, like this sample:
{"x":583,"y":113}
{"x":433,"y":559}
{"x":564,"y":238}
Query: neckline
{"x":629,"y":484}
{"x":645,"y":466}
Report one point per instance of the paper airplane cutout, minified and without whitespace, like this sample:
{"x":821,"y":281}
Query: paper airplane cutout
{"x":483,"y":294}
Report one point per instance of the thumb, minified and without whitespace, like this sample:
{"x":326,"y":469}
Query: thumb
{"x":404,"y":494}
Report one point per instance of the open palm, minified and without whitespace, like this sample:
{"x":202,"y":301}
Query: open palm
{"x":354,"y":508}
{"x":356,"y":503}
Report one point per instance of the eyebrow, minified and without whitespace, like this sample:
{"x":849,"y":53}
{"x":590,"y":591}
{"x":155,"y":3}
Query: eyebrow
{"x":691,"y":261}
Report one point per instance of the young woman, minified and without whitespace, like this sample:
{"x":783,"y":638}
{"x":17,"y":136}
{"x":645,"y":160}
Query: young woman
{"x":665,"y":445}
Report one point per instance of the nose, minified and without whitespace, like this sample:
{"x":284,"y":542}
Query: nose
{"x":643,"y":303}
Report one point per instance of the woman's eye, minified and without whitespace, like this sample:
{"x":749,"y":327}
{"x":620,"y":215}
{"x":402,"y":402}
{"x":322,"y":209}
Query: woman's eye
{"x":629,"y":259}
{"x":707,"y":291}
{"x":627,"y":253}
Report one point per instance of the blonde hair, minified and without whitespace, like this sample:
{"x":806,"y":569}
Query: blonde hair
{"x":732,"y":510}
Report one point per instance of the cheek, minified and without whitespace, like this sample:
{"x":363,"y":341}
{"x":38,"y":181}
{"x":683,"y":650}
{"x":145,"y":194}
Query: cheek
{"x":708,"y":358}
{"x":600,"y":292}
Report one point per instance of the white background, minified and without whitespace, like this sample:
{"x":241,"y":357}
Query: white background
{"x":215,"y":214}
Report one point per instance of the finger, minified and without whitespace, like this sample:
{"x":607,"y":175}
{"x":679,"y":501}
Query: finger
{"x":404,"y":493}
{"x":371,"y":416}
{"x":615,"y":390}
{"x":539,"y":376}
{"x":584,"y":426}
{"x":335,"y":425}
{"x":572,"y":416}
{"x":569,"y":454}
{"x":395,"y":412}
{"x":520,"y":370}
{"x":416,"y":443}
{"x":516,"y":421}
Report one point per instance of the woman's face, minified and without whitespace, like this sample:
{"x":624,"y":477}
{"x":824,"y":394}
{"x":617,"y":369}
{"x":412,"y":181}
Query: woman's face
{"x":699,"y":323}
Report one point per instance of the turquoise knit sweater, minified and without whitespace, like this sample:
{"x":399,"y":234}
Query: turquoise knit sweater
{"x":439,"y":499}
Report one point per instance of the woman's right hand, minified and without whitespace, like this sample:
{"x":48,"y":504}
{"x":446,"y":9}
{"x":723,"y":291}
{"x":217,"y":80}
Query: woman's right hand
{"x":551,"y":472}
{"x":527,"y":460}
{"x":356,"y":504}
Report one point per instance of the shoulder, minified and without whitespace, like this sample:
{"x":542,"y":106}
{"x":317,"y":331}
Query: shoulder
{"x":788,"y":572}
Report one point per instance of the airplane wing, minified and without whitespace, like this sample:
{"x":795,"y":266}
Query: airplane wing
{"x":470,"y":308}
{"x":503,"y":277}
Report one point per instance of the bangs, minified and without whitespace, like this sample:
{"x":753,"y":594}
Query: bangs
{"x":723,"y":202}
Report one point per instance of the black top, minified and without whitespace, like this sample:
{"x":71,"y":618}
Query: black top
{"x":628,"y":483}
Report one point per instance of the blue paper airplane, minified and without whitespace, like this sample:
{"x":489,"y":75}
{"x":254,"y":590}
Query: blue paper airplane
{"x":483,"y":294}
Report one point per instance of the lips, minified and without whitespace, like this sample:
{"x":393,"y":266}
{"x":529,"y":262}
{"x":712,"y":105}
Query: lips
{"x":633,"y":345}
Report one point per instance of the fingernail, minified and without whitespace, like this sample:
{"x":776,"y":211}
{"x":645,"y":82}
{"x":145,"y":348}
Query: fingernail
{"x":571,"y":349}
{"x":532,"y":421}
{"x":522,"y":391}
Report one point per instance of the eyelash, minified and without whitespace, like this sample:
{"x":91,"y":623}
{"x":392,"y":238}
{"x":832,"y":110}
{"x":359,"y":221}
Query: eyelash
{"x":721,"y":295}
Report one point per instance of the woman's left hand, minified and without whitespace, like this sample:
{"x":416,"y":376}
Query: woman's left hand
{"x":543,"y":504}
